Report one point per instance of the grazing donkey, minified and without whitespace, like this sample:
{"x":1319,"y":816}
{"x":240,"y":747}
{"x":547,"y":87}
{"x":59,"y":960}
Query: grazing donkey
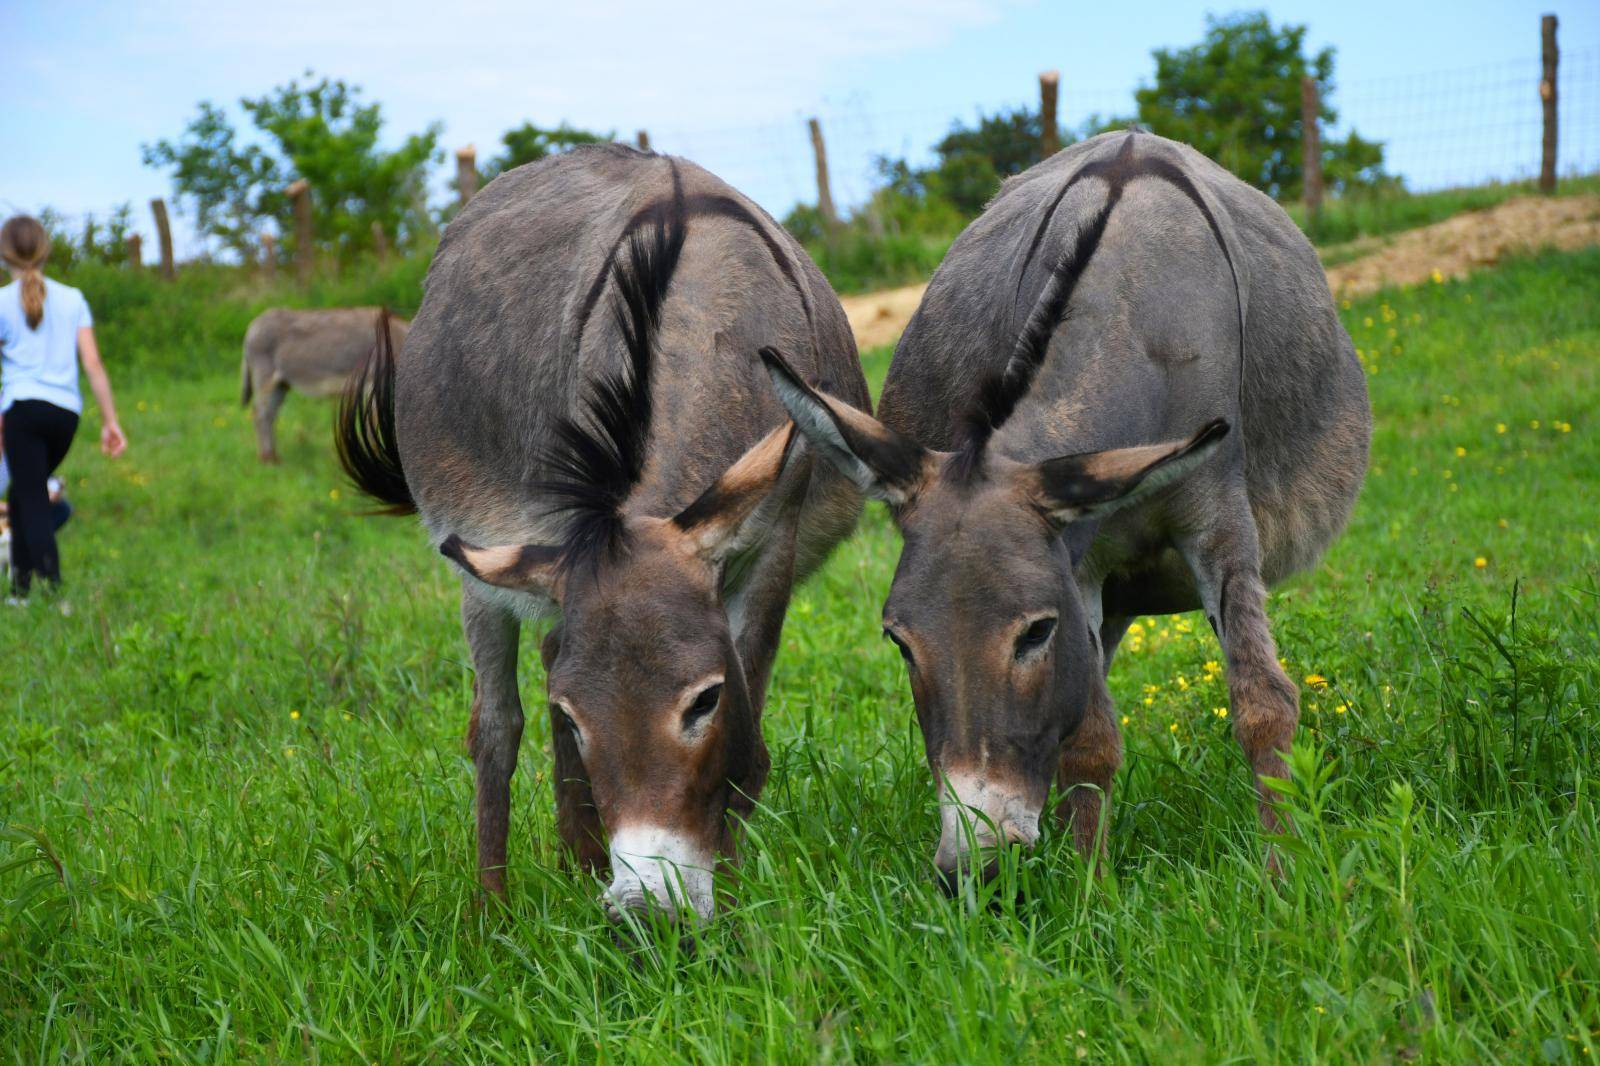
{"x":312,"y":351}
{"x":1127,"y":291}
{"x":633,"y":469}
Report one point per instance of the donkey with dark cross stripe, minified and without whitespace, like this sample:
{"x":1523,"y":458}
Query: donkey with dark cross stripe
{"x":631,"y":470}
{"x":1126,"y":392}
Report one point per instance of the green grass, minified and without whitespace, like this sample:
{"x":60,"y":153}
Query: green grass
{"x":236,"y":806}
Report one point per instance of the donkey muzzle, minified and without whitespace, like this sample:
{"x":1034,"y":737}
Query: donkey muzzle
{"x":978,"y":816}
{"x":659,"y":870}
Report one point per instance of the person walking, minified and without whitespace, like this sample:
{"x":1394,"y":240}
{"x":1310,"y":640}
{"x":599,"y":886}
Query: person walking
{"x":45,"y":329}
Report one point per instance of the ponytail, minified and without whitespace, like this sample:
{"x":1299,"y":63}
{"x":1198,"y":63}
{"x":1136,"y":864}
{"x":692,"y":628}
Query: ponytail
{"x":32,"y":297}
{"x":24,"y":246}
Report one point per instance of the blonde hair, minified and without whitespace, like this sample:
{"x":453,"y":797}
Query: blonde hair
{"x":24,"y":245}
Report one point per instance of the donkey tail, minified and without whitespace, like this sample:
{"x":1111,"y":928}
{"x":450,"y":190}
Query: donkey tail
{"x":246,"y":387}
{"x":363,"y":429}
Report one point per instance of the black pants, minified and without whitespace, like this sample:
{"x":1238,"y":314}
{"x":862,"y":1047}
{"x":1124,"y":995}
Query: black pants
{"x":36,"y":438}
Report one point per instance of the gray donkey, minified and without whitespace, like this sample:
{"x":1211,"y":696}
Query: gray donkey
{"x":1126,"y":291}
{"x":581,"y":418}
{"x":314,"y":352}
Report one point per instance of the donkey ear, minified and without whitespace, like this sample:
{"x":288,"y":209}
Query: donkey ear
{"x":739,"y":506}
{"x":1094,"y":484}
{"x":523,"y":567}
{"x":882,"y":463}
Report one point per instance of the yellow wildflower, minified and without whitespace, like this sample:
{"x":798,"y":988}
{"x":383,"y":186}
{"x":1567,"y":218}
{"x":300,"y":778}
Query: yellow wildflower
{"x":1499,"y":427}
{"x":1220,"y":712}
{"x":294,"y":715}
{"x":1316,"y":681}
{"x":1182,"y":683}
{"x":1124,"y":719}
{"x":1534,"y":424}
{"x":1503,"y":524}
{"x":1461,"y":453}
{"x":333,"y":494}
{"x":1480,"y":562}
{"x":1341,"y":708}
{"x":1173,"y":728}
{"x":1438,"y":278}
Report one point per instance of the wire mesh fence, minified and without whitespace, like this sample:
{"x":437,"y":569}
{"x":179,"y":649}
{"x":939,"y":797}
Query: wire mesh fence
{"x":1439,"y":129}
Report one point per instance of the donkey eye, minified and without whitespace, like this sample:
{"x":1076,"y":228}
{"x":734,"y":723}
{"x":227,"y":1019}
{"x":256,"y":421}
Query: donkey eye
{"x":905,"y":649}
{"x":564,"y":721}
{"x":1035,"y":636}
{"x":703,"y":704}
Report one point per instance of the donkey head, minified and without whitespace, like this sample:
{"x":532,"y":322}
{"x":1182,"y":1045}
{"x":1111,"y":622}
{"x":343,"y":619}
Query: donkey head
{"x":984,"y":608}
{"x":645,"y":685}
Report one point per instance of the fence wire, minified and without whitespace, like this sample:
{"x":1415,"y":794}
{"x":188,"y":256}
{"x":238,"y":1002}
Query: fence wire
{"x":1440,"y":129}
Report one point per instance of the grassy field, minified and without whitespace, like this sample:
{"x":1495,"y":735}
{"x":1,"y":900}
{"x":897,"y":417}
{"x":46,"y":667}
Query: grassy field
{"x":235,"y":804}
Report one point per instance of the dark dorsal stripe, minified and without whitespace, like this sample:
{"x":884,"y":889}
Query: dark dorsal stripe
{"x":699,"y":205}
{"x":1000,"y":393}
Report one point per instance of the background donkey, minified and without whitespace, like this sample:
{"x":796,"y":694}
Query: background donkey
{"x":1125,"y":291}
{"x":312,"y":351}
{"x":526,"y":427}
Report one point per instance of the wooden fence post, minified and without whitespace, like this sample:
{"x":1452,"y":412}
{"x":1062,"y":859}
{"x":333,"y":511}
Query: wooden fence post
{"x":158,"y":207}
{"x":1310,"y":149}
{"x":830,"y":216}
{"x":269,"y":254}
{"x":1547,"y":95}
{"x":643,"y":140}
{"x":380,"y":243}
{"x":467,"y":173}
{"x":135,"y":245}
{"x":299,"y":194}
{"x":1049,"y":133}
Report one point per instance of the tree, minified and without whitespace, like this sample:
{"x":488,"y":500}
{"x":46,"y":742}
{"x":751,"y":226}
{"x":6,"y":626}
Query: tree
{"x":528,"y":143}
{"x":321,"y":132}
{"x":220,"y":182}
{"x":1235,"y":96}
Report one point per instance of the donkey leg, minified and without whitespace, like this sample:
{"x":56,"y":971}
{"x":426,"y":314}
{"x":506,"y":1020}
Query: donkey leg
{"x":1088,"y":764}
{"x":496,"y":727}
{"x":268,"y":400}
{"x":577,"y":818}
{"x":1091,"y":755}
{"x":1225,"y":561}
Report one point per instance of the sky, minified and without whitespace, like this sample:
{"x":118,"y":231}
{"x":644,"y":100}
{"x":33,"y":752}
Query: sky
{"x":730,"y":83}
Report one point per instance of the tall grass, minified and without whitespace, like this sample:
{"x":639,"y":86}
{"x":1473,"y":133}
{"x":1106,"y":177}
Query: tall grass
{"x":235,"y":810}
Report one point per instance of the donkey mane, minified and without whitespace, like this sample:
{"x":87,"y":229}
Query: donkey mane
{"x":599,"y":454}
{"x":1000,"y":391}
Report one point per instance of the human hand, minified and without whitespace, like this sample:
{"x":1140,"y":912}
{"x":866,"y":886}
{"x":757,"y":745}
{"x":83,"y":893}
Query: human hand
{"x":113,"y":442}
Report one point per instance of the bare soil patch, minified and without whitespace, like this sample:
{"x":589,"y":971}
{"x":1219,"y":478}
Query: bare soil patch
{"x":1453,"y":248}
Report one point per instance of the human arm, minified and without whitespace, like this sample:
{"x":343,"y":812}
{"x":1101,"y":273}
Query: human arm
{"x":113,"y":441}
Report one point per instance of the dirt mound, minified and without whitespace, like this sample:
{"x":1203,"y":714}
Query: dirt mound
{"x":1459,"y":245}
{"x":1454,"y":248}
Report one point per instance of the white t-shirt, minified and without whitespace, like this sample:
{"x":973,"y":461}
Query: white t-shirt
{"x":42,"y":364}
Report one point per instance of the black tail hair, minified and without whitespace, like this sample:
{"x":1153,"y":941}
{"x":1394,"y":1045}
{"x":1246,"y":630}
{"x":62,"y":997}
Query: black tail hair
{"x":599,"y":452}
{"x":363,"y":429}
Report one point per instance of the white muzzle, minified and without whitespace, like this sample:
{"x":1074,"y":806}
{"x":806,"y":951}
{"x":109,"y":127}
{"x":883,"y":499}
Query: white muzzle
{"x":976,"y":812}
{"x":655,"y":867}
